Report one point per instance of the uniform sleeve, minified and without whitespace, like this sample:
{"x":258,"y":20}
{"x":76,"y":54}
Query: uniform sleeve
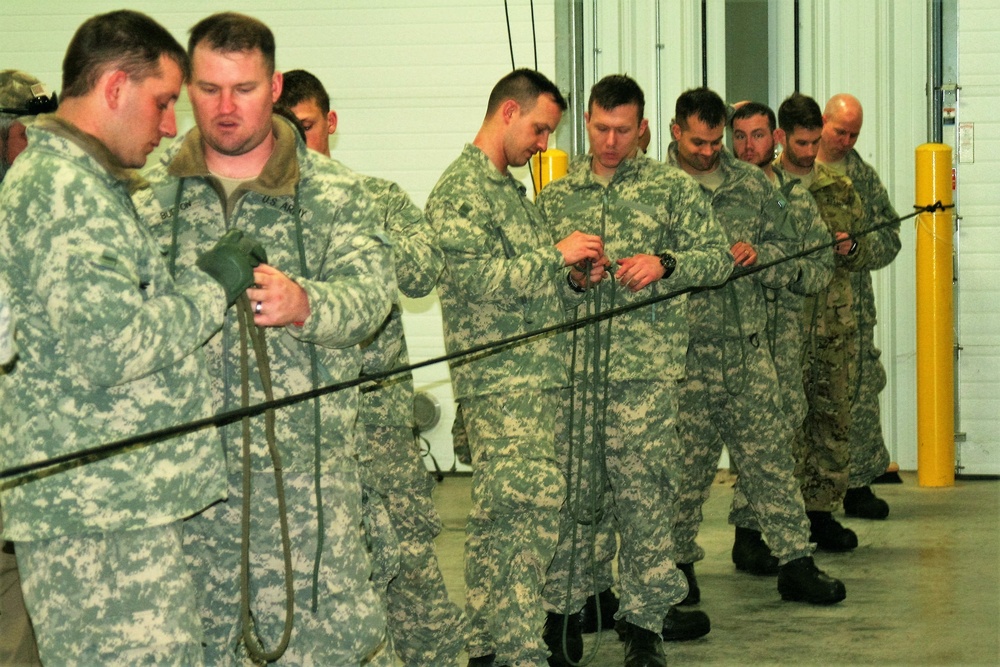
{"x":354,"y":286}
{"x":417,"y":258}
{"x":777,"y":241}
{"x":876,"y":249}
{"x":816,"y":268}
{"x":112,"y":325}
{"x":481,"y":259}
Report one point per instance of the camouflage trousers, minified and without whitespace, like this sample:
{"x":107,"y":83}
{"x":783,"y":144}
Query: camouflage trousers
{"x":730,"y":397}
{"x":513,"y":526}
{"x":115,"y":598}
{"x":425,"y":626}
{"x":869,"y":456}
{"x":822,"y":451}
{"x":348,"y":625}
{"x":637,"y":446}
{"x":17,"y":639}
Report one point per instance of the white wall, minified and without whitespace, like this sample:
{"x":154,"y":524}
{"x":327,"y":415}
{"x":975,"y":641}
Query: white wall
{"x":978,"y":241}
{"x":409,"y":81}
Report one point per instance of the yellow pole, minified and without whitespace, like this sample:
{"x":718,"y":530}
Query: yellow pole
{"x":935,"y":320}
{"x":548,"y":166}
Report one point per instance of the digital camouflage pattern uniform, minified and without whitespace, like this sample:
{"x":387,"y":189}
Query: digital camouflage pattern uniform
{"x":633,"y":363}
{"x":730,"y":395}
{"x":425,"y":627}
{"x":109,"y":347}
{"x":869,"y":456}
{"x":315,"y":220}
{"x":503,"y":276}
{"x":784,"y":317}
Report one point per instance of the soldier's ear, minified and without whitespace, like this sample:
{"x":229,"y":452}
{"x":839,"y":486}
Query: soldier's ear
{"x":112,"y":85}
{"x":780,"y":136}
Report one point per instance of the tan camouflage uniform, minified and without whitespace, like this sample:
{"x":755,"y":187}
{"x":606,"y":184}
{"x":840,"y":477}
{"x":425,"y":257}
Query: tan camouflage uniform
{"x":425,"y":627}
{"x":730,"y":395}
{"x":869,"y":456}
{"x":109,"y":347}
{"x":315,"y":220}
{"x":634,"y":362}
{"x":503,"y":276}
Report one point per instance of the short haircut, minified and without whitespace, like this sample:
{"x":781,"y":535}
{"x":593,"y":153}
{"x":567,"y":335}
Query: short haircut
{"x":703,"y":103}
{"x":751,"y":109}
{"x":231,"y":32}
{"x":799,"y":110}
{"x":615,"y":90}
{"x":301,"y":86}
{"x":524,"y":86}
{"x":124,"y":40}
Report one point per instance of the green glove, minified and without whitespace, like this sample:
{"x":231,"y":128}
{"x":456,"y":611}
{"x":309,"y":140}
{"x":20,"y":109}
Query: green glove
{"x":231,"y":262}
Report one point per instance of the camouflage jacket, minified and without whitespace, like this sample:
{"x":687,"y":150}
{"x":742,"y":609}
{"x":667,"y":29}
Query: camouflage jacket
{"x":7,"y":349}
{"x":649,"y":208}
{"x":877,"y":249}
{"x":503,"y":276}
{"x":831,"y":312}
{"x":109,"y":347}
{"x":418,"y":263}
{"x":751,"y":210}
{"x":317,"y":224}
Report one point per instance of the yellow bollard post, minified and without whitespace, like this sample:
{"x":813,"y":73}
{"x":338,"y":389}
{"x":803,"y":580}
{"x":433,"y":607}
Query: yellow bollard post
{"x":935,"y":320}
{"x":548,"y":166}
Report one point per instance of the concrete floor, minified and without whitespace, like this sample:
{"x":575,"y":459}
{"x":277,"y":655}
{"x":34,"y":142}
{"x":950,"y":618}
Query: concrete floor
{"x":923,"y":587}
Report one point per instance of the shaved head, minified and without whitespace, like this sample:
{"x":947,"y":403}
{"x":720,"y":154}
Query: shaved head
{"x":843,"y":104}
{"x":842,"y":119}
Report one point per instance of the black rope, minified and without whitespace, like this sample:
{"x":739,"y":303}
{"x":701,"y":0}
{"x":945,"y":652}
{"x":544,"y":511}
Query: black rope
{"x":64,"y":462}
{"x":510,"y":38}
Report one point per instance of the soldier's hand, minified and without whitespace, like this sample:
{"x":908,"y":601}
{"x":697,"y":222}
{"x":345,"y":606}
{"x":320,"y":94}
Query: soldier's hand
{"x":637,"y":271}
{"x":844,"y":243}
{"x":578,"y":247}
{"x":277,"y":300}
{"x":743,"y":254}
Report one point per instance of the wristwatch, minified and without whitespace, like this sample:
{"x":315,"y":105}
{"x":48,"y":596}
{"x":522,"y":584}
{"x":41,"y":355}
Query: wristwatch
{"x":668,"y":263}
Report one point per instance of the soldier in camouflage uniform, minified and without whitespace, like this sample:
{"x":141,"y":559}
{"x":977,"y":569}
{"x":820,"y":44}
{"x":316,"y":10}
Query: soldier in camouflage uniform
{"x":18,"y":90}
{"x":823,"y":452}
{"x":504,"y":276}
{"x":660,"y":232}
{"x":842,"y":119}
{"x":110,"y":346}
{"x":425,"y":627}
{"x":754,"y":131}
{"x":326,"y":289}
{"x":730,"y":395}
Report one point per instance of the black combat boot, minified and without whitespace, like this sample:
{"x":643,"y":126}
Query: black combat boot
{"x":643,"y":648}
{"x":553,"y":637}
{"x":681,"y":626}
{"x":483,"y":660}
{"x":694,"y":593}
{"x":801,"y":581}
{"x":862,"y":503}
{"x":589,"y":616}
{"x":751,"y":554}
{"x":828,"y":534}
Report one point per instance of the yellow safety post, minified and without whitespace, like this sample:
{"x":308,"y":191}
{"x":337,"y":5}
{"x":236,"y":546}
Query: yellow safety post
{"x":935,"y":320}
{"x":547,"y":166}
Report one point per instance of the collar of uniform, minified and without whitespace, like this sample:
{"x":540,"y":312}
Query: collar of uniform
{"x":93,"y":147}
{"x":280,"y":173}
{"x":479,"y":156}
{"x":824,"y":176}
